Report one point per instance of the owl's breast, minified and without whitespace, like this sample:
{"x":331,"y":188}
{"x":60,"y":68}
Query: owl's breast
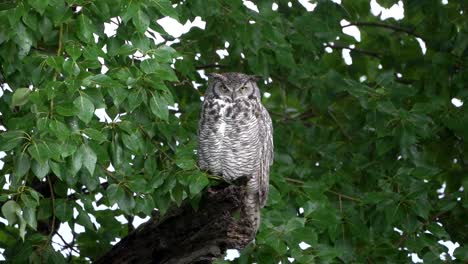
{"x":230,"y":139}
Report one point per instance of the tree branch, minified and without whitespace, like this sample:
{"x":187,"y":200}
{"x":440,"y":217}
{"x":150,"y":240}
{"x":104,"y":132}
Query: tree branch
{"x":384,"y":25}
{"x":185,"y":235}
{"x":365,"y":52}
{"x":209,"y":66}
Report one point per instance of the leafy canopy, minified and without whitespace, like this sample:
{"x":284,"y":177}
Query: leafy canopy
{"x":361,"y":149}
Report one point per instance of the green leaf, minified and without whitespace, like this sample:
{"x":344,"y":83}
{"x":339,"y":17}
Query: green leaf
{"x":145,"y":205}
{"x":158,"y":106}
{"x":157,"y":180}
{"x":141,"y":21}
{"x":66,"y":110}
{"x":28,"y":201}
{"x":59,"y":129}
{"x":89,"y":158}
{"x":22,"y":166}
{"x":164,"y":54}
{"x":58,"y":169}
{"x":40,"y":169}
{"x":11,"y":139}
{"x":197,"y":182}
{"x":177,"y":194}
{"x":125,"y":200}
{"x":186,"y":163}
{"x":133,"y":142}
{"x":116,"y":152}
{"x":112,"y":192}
{"x":29,"y":215}
{"x":99,"y":79}
{"x":55,"y":62}
{"x":131,"y":11}
{"x":31,"y":21}
{"x":71,"y":68}
{"x":461,"y":253}
{"x":24,"y":39}
{"x":85,"y":108}
{"x":11,"y":211}
{"x":63,"y":210}
{"x":5,"y":5}
{"x":20,"y":97}
{"x":165,"y":73}
{"x":139,"y":41}
{"x":118,"y":94}
{"x":76,"y":162}
{"x":39,"y":151}
{"x":90,"y":181}
{"x":165,"y":7}
{"x":39,"y":5}
{"x":151,"y":166}
{"x":85,"y":26}
{"x":73,"y":49}
{"x":138,"y":184}
{"x":136,"y":98}
{"x":149,"y":66}
{"x":85,"y":220}
{"x":95,"y":135}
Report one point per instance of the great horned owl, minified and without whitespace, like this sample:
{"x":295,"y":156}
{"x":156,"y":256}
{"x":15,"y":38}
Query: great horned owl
{"x":236,"y":137}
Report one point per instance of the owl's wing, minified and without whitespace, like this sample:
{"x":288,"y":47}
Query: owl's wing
{"x":202,"y":164}
{"x":266,"y":155}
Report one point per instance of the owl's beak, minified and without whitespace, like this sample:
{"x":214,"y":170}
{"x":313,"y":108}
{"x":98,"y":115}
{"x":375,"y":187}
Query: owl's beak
{"x":233,"y":96}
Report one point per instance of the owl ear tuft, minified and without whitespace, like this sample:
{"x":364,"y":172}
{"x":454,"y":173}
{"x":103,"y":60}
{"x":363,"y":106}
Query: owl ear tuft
{"x":255,"y":78}
{"x":214,"y":75}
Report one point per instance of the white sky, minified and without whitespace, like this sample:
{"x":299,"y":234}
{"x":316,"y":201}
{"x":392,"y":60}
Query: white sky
{"x":177,"y":29}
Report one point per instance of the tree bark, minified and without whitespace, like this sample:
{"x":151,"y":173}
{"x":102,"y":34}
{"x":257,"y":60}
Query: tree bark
{"x":185,"y":235}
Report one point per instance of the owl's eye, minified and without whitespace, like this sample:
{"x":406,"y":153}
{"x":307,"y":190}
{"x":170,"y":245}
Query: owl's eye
{"x":243,"y":88}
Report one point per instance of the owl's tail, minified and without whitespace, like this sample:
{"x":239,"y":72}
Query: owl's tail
{"x":251,"y":209}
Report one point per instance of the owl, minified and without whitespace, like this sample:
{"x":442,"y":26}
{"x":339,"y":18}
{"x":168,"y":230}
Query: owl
{"x":235,"y":137}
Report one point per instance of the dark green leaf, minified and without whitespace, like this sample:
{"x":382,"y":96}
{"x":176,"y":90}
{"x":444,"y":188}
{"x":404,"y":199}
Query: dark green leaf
{"x":24,"y":40}
{"x":39,"y":151}
{"x":40,"y":169}
{"x":63,"y":210}
{"x":141,"y":21}
{"x":22,"y":166}
{"x":85,"y":32}
{"x":95,"y":135}
{"x":197,"y":182}
{"x":29,"y":215}
{"x":39,"y":5}
{"x":158,"y":106}
{"x":11,"y":139}
{"x":165,"y":7}
{"x":20,"y":97}
{"x":11,"y":211}
{"x":85,"y":108}
{"x":89,"y":158}
{"x":73,"y":49}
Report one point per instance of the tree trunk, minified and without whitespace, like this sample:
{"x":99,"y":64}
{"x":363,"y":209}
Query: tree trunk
{"x":184,"y":235}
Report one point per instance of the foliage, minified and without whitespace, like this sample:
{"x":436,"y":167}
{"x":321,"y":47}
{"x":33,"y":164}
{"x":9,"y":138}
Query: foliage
{"x":362,"y":149}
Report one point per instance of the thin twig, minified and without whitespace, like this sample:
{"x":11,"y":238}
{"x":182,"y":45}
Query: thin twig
{"x":68,"y":245}
{"x":365,"y":52}
{"x":208,"y":66}
{"x":345,"y":196}
{"x":339,"y":125}
{"x":52,"y":196}
{"x":330,"y":191}
{"x":384,"y":25}
{"x":294,"y":180}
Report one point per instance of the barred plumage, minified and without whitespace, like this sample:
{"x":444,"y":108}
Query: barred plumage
{"x":236,"y":137}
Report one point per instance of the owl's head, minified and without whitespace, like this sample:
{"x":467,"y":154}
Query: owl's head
{"x":232,"y":85}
